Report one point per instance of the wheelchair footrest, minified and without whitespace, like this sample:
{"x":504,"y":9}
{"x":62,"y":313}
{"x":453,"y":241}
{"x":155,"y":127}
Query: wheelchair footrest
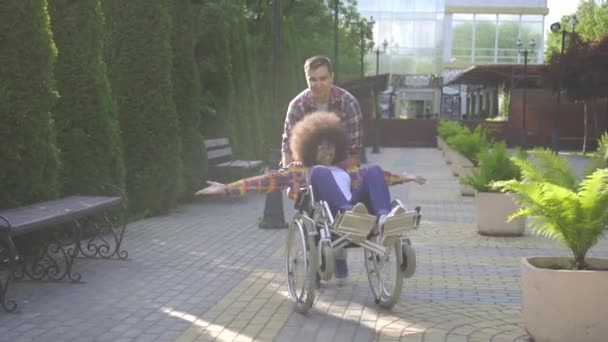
{"x":398,"y":224}
{"x":356,"y":225}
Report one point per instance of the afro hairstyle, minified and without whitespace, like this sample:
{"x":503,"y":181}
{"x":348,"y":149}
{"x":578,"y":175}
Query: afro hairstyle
{"x":311,"y":131}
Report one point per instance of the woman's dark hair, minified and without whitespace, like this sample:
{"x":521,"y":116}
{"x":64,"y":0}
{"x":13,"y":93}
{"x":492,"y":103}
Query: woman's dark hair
{"x":311,"y":131}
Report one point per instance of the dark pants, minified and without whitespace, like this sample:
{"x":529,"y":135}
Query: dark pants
{"x":372,"y":190}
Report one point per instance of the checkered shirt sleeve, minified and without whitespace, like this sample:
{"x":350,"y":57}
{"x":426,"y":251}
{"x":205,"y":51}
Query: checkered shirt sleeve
{"x":272,"y":181}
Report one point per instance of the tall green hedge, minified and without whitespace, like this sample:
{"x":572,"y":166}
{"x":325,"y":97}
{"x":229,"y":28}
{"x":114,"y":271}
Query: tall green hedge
{"x":28,"y":166}
{"x":140,"y":67}
{"x":187,"y":95}
{"x":86,"y":119}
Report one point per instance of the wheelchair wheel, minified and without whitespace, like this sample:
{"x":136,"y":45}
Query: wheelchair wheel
{"x":409,"y":260}
{"x":326,"y":269}
{"x":385,"y":274}
{"x":302,"y":266}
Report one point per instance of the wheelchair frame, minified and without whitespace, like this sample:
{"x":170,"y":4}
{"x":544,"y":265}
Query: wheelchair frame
{"x":313,"y":230}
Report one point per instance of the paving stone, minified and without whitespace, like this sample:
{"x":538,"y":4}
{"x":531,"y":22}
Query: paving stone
{"x":205,"y":271}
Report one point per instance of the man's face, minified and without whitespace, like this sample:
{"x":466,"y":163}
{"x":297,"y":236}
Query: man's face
{"x":319,"y":82}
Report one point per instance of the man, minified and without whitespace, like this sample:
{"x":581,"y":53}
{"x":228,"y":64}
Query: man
{"x":323,"y":96}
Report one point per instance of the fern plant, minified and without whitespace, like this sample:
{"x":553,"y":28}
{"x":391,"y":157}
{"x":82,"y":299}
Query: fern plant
{"x":448,"y":128}
{"x":494,"y":165}
{"x":469,"y":144}
{"x":599,"y":158}
{"x":573,"y":214}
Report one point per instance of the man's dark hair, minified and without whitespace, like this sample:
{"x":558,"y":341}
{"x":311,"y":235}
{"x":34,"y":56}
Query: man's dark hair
{"x":311,"y":131}
{"x":318,"y":61}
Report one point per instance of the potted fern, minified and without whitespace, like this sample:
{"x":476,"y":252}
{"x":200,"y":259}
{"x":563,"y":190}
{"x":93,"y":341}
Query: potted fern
{"x":494,"y":207}
{"x":563,"y":298}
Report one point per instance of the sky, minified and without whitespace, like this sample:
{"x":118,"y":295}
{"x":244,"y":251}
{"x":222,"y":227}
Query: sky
{"x":559,"y":8}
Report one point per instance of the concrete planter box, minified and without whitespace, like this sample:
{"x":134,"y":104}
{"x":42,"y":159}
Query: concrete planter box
{"x":458,"y":162}
{"x":565,"y":305}
{"x":493,"y":209}
{"x":440,"y":143}
{"x":466,"y":170}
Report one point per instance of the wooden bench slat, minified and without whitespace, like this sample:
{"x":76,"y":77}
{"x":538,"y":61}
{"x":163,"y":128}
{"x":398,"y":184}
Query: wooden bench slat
{"x":218,"y":142}
{"x":29,"y":218}
{"x":215,"y":154}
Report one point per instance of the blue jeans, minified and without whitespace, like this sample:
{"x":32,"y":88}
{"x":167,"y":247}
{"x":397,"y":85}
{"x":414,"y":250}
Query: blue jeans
{"x":372,"y":190}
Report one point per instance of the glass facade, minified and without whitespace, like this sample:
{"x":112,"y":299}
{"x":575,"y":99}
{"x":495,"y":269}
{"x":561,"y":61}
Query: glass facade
{"x":413,"y":30}
{"x":423,"y":38}
{"x":492,"y":38}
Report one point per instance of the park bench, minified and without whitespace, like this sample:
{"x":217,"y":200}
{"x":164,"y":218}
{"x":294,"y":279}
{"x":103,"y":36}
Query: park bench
{"x":222,"y":166}
{"x":41,"y":241}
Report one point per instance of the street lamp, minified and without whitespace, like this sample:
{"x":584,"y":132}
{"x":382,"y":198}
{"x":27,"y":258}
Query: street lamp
{"x":376,"y":147}
{"x":555,"y":28}
{"x":525,"y":52}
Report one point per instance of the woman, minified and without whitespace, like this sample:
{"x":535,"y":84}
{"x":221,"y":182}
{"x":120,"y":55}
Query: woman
{"x":318,"y":143}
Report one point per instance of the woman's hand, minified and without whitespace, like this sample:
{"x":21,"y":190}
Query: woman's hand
{"x":413,"y":178}
{"x":214,"y":188}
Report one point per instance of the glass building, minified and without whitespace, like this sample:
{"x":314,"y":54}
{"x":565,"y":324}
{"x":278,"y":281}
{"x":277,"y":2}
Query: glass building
{"x":440,"y":37}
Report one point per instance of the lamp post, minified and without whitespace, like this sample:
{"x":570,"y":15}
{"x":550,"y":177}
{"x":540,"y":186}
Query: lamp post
{"x":273,"y":206}
{"x":555,"y":28}
{"x":525,"y":52}
{"x":376,"y":147}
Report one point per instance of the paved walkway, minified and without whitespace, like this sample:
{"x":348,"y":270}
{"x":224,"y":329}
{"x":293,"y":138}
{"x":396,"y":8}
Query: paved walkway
{"x":206,"y":272}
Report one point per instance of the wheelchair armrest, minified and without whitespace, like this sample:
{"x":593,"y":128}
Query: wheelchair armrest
{"x":303,"y":199}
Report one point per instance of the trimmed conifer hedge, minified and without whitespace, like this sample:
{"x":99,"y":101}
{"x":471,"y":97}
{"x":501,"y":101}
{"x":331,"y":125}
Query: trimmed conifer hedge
{"x":187,"y":95}
{"x":86,"y":119}
{"x":139,"y":67}
{"x":28,"y":166}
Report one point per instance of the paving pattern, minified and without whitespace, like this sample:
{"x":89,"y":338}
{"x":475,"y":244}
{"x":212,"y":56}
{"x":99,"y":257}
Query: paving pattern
{"x":205,"y":272}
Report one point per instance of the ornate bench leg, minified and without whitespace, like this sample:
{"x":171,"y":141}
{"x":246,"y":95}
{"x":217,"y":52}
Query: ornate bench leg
{"x":7,"y":242}
{"x":104,"y":232}
{"x":103,"y":236}
{"x":51,"y":257}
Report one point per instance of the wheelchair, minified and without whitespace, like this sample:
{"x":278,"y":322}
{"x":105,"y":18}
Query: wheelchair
{"x":314,"y":234}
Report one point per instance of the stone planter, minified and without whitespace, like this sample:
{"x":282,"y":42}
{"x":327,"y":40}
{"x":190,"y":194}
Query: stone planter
{"x":493,"y":209}
{"x":458,"y":162}
{"x":565,"y":305}
{"x":466,"y":170}
{"x":440,"y":143}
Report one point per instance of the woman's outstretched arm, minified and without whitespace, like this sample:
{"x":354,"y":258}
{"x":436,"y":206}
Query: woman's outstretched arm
{"x":268,"y":182}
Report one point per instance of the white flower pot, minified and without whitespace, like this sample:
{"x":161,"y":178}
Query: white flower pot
{"x":565,"y":305}
{"x":493,"y":210}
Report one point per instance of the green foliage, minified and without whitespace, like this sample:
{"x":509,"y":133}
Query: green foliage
{"x":188,"y":98}
{"x":575,"y":216}
{"x":468,"y":143}
{"x":592,"y":25}
{"x":27,"y":141}
{"x":448,"y":128}
{"x":86,"y":119}
{"x":599,"y":158}
{"x":140,"y":69}
{"x":547,"y":166}
{"x":495,"y":164}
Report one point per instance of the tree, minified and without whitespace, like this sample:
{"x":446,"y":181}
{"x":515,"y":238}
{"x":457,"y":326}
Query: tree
{"x":27,"y":143}
{"x":140,"y":68}
{"x":187,"y":96}
{"x":584,"y":75}
{"x":592,"y":19}
{"x":86,"y":119}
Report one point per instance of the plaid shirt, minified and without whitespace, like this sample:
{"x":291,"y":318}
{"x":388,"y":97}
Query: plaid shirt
{"x":341,"y":102}
{"x":296,"y":178}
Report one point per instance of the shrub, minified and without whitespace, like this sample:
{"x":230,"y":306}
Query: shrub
{"x":495,"y":164}
{"x":27,"y":143}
